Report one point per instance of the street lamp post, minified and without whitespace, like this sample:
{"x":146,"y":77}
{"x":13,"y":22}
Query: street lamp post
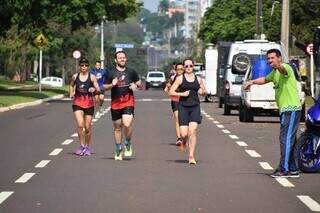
{"x":102,"y":43}
{"x":285,"y":20}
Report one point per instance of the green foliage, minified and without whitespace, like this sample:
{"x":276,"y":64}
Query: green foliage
{"x":232,"y":20}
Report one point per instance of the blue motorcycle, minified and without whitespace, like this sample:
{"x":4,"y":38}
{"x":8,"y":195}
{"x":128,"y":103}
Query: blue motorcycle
{"x":307,"y":148}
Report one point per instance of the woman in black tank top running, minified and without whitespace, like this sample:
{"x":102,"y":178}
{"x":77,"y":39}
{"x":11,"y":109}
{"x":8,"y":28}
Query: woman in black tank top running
{"x":188,"y":86}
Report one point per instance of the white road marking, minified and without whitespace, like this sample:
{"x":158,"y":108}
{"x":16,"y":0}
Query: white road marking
{"x":253,"y":153}
{"x":233,"y":137}
{"x":94,"y":120}
{"x":211,"y":119}
{"x":284,"y":182}
{"x":265,"y":166}
{"x":241,"y":143}
{"x":220,"y":126}
{"x":55,"y":152}
{"x":24,"y":178}
{"x":4,"y":196}
{"x":216,"y":122}
{"x":146,"y":99}
{"x":165,"y":99}
{"x":226,"y":131}
{"x":42,"y":163}
{"x":208,"y":116}
{"x":67,"y":142}
{"x":74,"y":135}
{"x":310,"y":203}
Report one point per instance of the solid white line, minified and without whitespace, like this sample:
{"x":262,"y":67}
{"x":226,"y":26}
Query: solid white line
{"x":265,"y":166}
{"x":55,"y":152}
{"x":211,"y":119}
{"x":284,"y":182}
{"x":233,"y":137}
{"x":42,"y":164}
{"x":220,"y":126}
{"x":24,"y":178}
{"x":226,"y":131}
{"x":4,"y":196}
{"x":67,"y":142}
{"x":310,"y":203}
{"x":241,"y":143}
{"x":216,"y":122}
{"x":253,"y":153}
{"x":74,"y":135}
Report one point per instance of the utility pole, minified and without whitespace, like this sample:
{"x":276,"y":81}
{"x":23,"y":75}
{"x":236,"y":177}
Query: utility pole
{"x":285,"y":21}
{"x":102,"y":43}
{"x":259,"y":21}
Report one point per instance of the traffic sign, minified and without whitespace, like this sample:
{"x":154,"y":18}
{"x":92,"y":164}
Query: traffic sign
{"x":76,"y":54}
{"x":123,"y":46}
{"x":41,"y":41}
{"x":309,"y":49}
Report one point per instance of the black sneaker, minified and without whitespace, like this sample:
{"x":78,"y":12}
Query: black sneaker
{"x":294,"y":174}
{"x":279,"y":174}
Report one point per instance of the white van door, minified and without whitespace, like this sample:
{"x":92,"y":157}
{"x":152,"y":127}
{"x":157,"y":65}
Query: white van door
{"x":210,"y":78}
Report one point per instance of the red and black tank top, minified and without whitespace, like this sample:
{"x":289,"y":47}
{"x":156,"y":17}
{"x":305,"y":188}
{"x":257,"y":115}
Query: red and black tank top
{"x":83,"y":98}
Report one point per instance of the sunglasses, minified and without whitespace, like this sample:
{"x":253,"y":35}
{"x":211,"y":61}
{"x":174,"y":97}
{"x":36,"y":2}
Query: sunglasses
{"x":188,"y":65}
{"x":84,"y":65}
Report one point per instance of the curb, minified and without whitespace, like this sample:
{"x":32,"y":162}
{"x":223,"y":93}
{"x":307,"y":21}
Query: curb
{"x":33,"y":103}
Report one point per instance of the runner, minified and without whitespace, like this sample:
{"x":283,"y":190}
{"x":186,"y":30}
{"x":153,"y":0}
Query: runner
{"x":122,"y":81}
{"x":101,"y":76}
{"x":175,"y":100}
{"x":188,"y":86}
{"x":81,"y":89}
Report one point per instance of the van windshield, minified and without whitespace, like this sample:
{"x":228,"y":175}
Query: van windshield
{"x":155,"y":75}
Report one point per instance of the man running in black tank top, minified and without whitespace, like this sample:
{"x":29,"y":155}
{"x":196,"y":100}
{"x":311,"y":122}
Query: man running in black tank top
{"x":188,"y":86}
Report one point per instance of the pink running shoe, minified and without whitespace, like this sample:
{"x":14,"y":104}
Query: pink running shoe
{"x":80,"y":150}
{"x":87,"y":151}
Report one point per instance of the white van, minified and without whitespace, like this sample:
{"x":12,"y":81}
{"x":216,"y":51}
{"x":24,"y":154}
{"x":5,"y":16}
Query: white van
{"x":241,"y":56}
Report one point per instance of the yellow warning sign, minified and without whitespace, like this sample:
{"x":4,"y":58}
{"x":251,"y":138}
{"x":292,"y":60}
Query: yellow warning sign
{"x":41,"y":41}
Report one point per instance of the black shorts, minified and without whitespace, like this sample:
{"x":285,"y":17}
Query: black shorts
{"x":116,"y":114}
{"x":189,"y":114}
{"x":86,"y":111}
{"x":174,"y":106}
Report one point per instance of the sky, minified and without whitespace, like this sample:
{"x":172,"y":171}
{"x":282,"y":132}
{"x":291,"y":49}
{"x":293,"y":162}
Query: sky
{"x":151,"y":5}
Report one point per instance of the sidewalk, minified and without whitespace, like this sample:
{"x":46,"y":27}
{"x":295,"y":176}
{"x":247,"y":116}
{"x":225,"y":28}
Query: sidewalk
{"x":33,"y":103}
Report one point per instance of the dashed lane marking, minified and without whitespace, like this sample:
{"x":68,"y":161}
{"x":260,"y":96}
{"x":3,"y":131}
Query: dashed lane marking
{"x":220,"y":126}
{"x":216,"y":122}
{"x":211,"y":119}
{"x":208,"y":116}
{"x":67,"y":142}
{"x":253,"y":153}
{"x":74,"y":135}
{"x":55,"y":152}
{"x":94,"y":120}
{"x":42,"y":164}
{"x":4,"y":195}
{"x":241,"y":143}
{"x":25,"y":177}
{"x":310,"y":203}
{"x":226,"y":131}
{"x":233,"y":137}
{"x":284,"y":182}
{"x":265,"y":166}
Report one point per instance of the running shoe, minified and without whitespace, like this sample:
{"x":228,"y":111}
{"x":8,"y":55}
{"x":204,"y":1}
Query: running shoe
{"x":294,"y":174}
{"x":128,"y":149}
{"x":178,"y":142}
{"x":279,"y":174}
{"x":192,"y":161}
{"x":80,"y":150}
{"x":118,"y":154}
{"x":87,"y":151}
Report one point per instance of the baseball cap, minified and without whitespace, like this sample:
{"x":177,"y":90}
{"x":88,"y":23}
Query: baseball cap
{"x":84,"y":61}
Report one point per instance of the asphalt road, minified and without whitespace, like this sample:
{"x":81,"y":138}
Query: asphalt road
{"x":234,"y":160}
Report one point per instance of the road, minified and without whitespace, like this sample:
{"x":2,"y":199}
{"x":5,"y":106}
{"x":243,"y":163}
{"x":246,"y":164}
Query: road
{"x":234,"y":160}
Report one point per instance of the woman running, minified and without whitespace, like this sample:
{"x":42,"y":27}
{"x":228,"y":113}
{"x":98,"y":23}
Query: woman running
{"x":82,"y":86}
{"x":175,"y":99}
{"x":188,"y":86}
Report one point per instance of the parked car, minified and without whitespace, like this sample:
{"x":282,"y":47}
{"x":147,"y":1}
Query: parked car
{"x":52,"y":81}
{"x":155,"y":79}
{"x":241,"y":55}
